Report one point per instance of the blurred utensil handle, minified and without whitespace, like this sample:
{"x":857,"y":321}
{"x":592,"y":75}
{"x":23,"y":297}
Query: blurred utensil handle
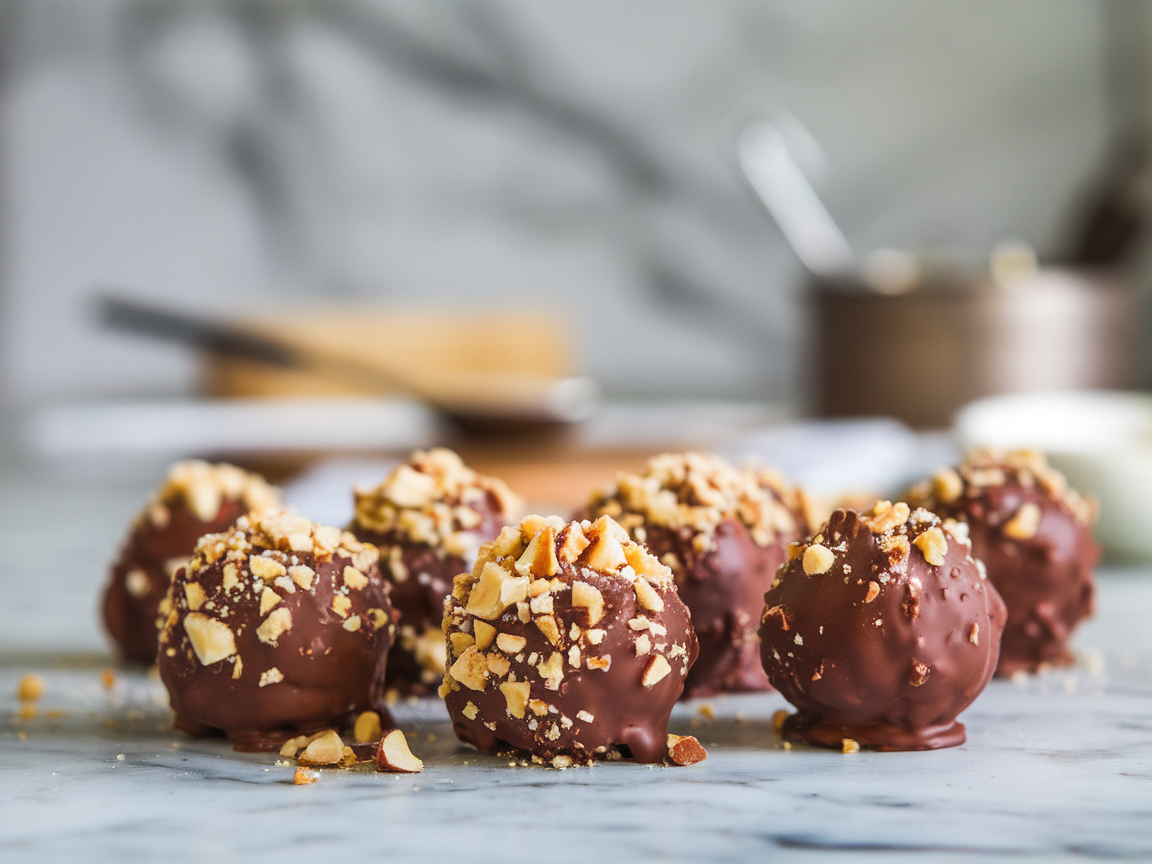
{"x":806,"y":223}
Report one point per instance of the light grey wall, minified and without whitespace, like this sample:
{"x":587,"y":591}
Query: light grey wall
{"x":225,"y":155}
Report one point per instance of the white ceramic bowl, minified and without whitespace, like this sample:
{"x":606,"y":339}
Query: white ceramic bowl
{"x":1102,"y":440}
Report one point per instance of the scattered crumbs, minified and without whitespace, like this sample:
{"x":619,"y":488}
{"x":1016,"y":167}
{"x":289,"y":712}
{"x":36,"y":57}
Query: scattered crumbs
{"x":850,"y":745}
{"x":120,"y":757}
{"x":22,"y":735}
{"x":1019,"y":678}
{"x":706,"y":710}
{"x":787,"y":745}
{"x":108,"y":678}
{"x":302,"y":777}
{"x":740,"y":717}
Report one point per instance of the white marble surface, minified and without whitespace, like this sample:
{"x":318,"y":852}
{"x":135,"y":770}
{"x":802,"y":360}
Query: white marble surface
{"x":1058,"y":767}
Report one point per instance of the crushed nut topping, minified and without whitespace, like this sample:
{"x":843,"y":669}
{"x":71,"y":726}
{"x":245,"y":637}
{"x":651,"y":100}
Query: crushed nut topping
{"x":699,"y":491}
{"x":535,"y":587}
{"x":433,"y":498}
{"x":204,"y":487}
{"x":982,"y":468}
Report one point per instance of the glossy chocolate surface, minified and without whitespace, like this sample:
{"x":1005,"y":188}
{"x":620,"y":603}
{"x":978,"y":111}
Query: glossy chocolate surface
{"x":1044,"y":574}
{"x":882,"y":647}
{"x":300,"y":653}
{"x":586,"y":696}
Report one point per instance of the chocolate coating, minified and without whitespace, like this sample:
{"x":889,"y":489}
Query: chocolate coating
{"x":197,"y":499}
{"x":872,"y":642}
{"x":724,"y":533}
{"x":586,"y":665}
{"x":277,"y":628}
{"x":427,"y":533}
{"x":1041,"y":563}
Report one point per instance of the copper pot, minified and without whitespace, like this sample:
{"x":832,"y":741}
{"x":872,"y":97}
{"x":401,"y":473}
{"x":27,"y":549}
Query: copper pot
{"x":920,"y":354}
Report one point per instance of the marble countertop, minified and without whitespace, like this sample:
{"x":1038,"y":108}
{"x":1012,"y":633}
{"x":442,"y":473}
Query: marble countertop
{"x":1054,"y":766}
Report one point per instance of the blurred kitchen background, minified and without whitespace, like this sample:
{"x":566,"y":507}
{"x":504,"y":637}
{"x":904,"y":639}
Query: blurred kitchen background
{"x":462,"y":199}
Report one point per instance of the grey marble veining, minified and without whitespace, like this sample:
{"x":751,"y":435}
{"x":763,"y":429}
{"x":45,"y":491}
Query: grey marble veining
{"x":1055,"y":766}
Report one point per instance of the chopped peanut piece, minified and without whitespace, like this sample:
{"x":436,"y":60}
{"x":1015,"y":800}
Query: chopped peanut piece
{"x":484,"y":632}
{"x":574,"y":544}
{"x":850,"y":745}
{"x":302,"y":777}
{"x":354,"y":579}
{"x":268,"y":599}
{"x":484,"y":601}
{"x":302,"y":576}
{"x":547,"y":625}
{"x":685,"y":750}
{"x":818,"y":559}
{"x":539,"y":559}
{"x":933,"y":545}
{"x":367,"y":728}
{"x":656,"y":670}
{"x":1024,"y":524}
{"x":212,"y":640}
{"x":886,"y":516}
{"x":471,"y":669}
{"x":516,"y":695}
{"x":590,"y":598}
{"x":647,"y":596}
{"x":393,"y":755}
{"x":31,"y":688}
{"x":274,"y":626}
{"x":510,"y":644}
{"x":324,"y":749}
{"x":195,"y":596}
{"x":266,"y":568}
{"x":947,"y":485}
{"x":606,"y":553}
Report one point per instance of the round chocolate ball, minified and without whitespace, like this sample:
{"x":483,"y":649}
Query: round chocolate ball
{"x":1034,"y":535}
{"x":196,"y":499}
{"x":723,"y":532}
{"x":881,"y":629}
{"x":277,"y":627}
{"x":428,"y":518}
{"x":566,"y":642}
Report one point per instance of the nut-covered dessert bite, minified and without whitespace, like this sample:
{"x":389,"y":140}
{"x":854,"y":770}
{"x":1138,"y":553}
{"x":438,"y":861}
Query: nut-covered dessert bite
{"x":278,"y":627}
{"x":1034,"y":534}
{"x":881,"y":629}
{"x":568,"y":642}
{"x":196,"y":499}
{"x":428,"y":518}
{"x":723,"y":532}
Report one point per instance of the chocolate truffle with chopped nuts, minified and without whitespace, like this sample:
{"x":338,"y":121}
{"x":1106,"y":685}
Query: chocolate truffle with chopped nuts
{"x":278,"y":627}
{"x":881,"y":629}
{"x":723,"y":532}
{"x":567,"y":642}
{"x":1034,"y":534}
{"x":428,"y":518}
{"x":196,"y":499}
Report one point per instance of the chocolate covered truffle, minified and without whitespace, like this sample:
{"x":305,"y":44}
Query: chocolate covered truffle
{"x":1034,"y":535}
{"x":566,"y":642}
{"x":429,"y":517}
{"x":196,"y":499}
{"x":278,"y":627}
{"x":723,"y":532}
{"x":881,"y":629}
